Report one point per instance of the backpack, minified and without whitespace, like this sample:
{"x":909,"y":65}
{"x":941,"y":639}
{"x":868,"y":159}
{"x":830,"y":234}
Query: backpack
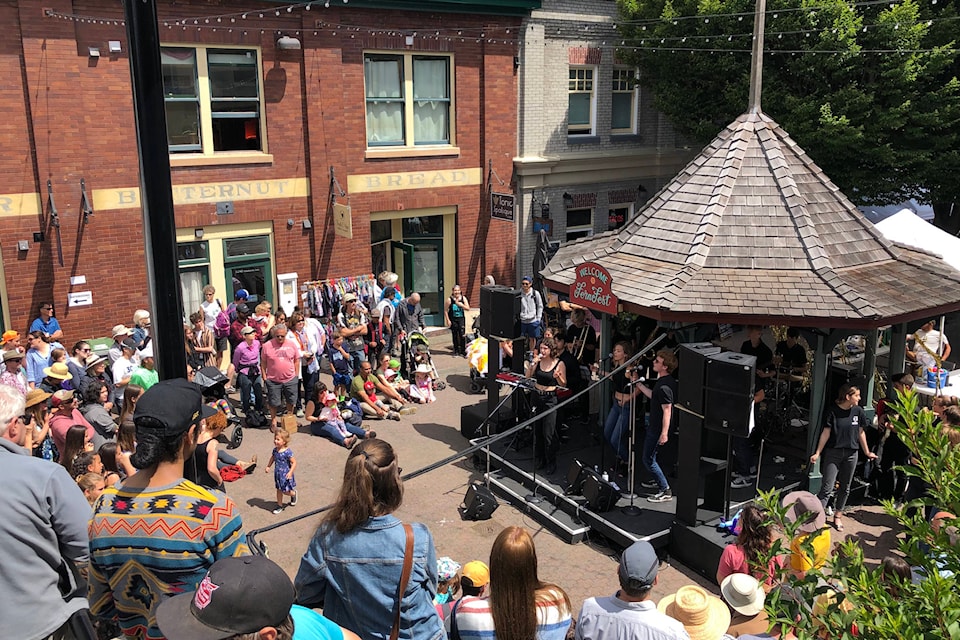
{"x":221,"y":325}
{"x":255,"y":419}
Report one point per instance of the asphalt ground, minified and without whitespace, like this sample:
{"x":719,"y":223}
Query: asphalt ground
{"x":433,"y":433}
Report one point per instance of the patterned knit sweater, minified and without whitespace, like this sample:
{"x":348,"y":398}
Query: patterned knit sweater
{"x":149,"y":544}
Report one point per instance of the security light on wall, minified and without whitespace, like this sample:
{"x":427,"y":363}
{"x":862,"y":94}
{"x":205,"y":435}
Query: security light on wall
{"x":198,"y":234}
{"x":93,"y":52}
{"x":567,"y":200}
{"x":288,"y":43}
{"x":113,"y":46}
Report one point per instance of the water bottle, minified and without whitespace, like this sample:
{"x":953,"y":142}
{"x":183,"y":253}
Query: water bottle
{"x":605,"y":476}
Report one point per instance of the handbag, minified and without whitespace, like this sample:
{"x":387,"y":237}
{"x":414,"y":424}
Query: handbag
{"x":404,"y":579}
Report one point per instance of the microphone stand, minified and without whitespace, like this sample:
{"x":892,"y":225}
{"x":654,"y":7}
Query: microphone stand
{"x":533,"y":498}
{"x":631,"y":509}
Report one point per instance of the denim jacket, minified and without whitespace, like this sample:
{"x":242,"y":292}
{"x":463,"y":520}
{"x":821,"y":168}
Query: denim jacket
{"x":355,"y":577}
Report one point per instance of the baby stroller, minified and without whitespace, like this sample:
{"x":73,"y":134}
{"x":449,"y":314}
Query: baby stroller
{"x":212,"y":383}
{"x":477,"y":357}
{"x":418,"y":352}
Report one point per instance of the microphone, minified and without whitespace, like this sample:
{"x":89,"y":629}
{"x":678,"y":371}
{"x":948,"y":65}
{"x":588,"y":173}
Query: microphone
{"x":609,"y":356}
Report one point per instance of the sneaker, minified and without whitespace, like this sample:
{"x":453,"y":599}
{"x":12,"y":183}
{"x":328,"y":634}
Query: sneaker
{"x":828,"y":511}
{"x":279,"y":509}
{"x":650,"y":484}
{"x":743,"y":481}
{"x":299,"y":413}
{"x":293,"y":500}
{"x":405,"y":411}
{"x":393,"y":415}
{"x":661,"y":496}
{"x":370,"y":434}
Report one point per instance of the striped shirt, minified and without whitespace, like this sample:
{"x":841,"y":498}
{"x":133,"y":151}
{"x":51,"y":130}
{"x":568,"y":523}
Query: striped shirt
{"x":475,"y":620}
{"x":150,"y":544}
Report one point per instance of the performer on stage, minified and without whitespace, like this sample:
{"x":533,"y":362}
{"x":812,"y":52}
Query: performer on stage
{"x":549,"y":373}
{"x":618,"y":420}
{"x":662,"y":397}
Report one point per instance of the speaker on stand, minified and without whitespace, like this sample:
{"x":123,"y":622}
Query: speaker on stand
{"x":499,"y":312}
{"x":728,"y":397}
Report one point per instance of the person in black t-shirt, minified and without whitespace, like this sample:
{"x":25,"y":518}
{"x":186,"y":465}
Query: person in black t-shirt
{"x":662,"y":398}
{"x":744,"y":453}
{"x":790,"y":354}
{"x":840,"y":441}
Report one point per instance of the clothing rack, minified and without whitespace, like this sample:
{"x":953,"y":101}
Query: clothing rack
{"x":323,"y":297}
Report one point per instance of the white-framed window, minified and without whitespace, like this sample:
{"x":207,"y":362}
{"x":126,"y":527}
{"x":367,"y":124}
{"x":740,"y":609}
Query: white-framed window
{"x":623,"y":109}
{"x":579,"y":223}
{"x":213,"y":99}
{"x":582,"y":111}
{"x":409,"y":99}
{"x":619,"y":215}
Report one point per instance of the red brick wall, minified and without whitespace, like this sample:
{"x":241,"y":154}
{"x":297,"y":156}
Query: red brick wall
{"x":68,"y":116}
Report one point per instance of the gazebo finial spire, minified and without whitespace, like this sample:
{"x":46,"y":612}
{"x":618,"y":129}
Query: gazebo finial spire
{"x":756,"y":58}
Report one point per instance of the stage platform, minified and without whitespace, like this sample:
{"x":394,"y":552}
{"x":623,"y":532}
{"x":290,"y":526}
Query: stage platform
{"x":570,"y":517}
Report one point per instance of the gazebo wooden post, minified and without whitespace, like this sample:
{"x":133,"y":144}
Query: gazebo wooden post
{"x":898,"y":348}
{"x":869,"y":370}
{"x":818,"y":387}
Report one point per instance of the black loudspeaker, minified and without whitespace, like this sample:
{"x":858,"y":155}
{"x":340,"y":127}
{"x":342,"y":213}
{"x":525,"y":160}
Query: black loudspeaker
{"x":728,"y":393}
{"x":577,"y":476}
{"x":499,"y":312}
{"x":693,"y":372}
{"x":473,"y":415}
{"x":479,"y":503}
{"x":600,"y":494}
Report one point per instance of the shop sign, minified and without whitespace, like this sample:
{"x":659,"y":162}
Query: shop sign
{"x":593,"y":288}
{"x":207,"y":193}
{"x":373,"y":182}
{"x":343,"y":220}
{"x":502,"y":206}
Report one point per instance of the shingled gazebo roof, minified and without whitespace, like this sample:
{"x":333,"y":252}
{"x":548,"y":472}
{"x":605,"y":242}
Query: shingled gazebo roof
{"x":752,"y":230}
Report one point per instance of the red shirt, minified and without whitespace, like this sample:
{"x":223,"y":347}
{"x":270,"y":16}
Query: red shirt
{"x":61,"y":422}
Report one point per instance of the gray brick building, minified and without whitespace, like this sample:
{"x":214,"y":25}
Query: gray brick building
{"x":591,"y":147}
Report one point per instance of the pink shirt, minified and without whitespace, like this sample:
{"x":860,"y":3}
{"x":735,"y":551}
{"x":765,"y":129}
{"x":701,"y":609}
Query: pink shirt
{"x":60,"y":423}
{"x":280,"y":360}
{"x":734,"y":560}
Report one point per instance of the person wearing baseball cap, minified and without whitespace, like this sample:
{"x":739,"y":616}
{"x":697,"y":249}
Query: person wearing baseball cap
{"x":474,"y":578}
{"x":158,"y":533}
{"x":630,"y":612}
{"x":240,"y":596}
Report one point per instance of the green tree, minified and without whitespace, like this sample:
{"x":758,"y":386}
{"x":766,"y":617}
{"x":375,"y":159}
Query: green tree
{"x":875,"y":607}
{"x":883,"y":126}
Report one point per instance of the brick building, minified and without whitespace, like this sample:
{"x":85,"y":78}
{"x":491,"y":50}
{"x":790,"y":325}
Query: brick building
{"x":592,"y":148}
{"x":268,"y":104}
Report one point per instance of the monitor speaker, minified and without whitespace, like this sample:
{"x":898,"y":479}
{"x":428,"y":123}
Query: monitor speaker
{"x":577,"y":475}
{"x":692,"y":373}
{"x":479,"y":503}
{"x":472,"y":417}
{"x":499,"y":312}
{"x":600,"y":494}
{"x":728,"y":397}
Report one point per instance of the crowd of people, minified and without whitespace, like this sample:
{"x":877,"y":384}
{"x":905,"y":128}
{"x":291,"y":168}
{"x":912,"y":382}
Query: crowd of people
{"x":115,"y":490}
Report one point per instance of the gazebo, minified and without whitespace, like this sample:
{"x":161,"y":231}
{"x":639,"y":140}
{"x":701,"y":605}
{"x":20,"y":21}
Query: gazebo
{"x":753,"y":232}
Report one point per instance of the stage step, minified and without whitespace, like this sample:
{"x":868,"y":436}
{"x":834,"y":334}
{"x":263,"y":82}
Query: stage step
{"x":546,"y":512}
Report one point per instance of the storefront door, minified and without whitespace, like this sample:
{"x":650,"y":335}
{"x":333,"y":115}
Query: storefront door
{"x":246,"y":263}
{"x":403,"y":265}
{"x":428,"y":278}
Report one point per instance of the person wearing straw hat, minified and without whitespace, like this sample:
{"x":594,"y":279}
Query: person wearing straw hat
{"x":119,"y":333}
{"x":745,"y":596}
{"x":704,"y":616}
{"x":630,"y":612}
{"x":12,"y":373}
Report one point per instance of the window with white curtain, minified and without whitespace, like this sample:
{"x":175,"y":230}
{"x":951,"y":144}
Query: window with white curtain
{"x":409,"y":99}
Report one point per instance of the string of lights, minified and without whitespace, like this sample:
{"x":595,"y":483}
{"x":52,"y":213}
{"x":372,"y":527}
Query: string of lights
{"x":502,"y":35}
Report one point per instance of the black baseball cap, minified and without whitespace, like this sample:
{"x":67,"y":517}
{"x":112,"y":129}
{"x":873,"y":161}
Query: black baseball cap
{"x":238,"y":595}
{"x":176,"y":404}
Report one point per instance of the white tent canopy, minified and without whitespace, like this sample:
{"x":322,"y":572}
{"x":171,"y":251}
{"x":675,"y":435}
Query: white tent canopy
{"x":907,"y":228}
{"x":876,"y":213}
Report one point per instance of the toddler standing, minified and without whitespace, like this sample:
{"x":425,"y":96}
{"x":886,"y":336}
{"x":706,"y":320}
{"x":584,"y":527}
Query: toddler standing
{"x":283,"y":473}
